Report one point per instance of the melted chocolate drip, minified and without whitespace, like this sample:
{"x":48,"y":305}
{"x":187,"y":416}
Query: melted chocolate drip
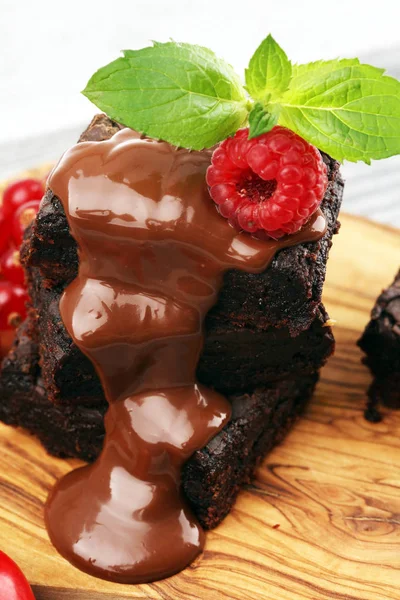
{"x":153,"y":250}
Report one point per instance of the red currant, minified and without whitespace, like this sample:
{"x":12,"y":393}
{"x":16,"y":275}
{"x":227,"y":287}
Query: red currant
{"x":23,"y":216}
{"x":5,"y":231}
{"x":20,"y":204}
{"x":10,"y":266}
{"x":21,"y":192}
{"x":13,"y":300}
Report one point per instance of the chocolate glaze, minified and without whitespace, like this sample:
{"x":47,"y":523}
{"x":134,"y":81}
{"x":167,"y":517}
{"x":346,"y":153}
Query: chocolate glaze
{"x":153,"y":250}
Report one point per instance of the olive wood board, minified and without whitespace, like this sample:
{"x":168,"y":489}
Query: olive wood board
{"x":321,"y":518}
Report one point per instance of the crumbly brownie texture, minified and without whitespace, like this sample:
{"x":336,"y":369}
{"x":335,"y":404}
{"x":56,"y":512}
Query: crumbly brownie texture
{"x":234,"y":359}
{"x":211,"y":478}
{"x":288,"y":293}
{"x":381,"y":343}
{"x":72,"y":431}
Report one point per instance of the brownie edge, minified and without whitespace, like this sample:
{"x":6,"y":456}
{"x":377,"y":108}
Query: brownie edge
{"x":381,"y":344}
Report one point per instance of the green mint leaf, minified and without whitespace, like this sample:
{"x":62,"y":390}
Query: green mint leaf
{"x":261,"y":121}
{"x":301,"y":73}
{"x":269,"y":70}
{"x":349,"y":110}
{"x":180,"y":93}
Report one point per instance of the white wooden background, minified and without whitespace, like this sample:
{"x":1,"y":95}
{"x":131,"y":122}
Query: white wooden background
{"x":49,"y":49}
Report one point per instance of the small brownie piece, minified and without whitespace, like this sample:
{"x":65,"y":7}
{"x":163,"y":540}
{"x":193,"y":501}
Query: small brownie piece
{"x":212,"y":477}
{"x":234,"y":359}
{"x":381,"y":343}
{"x":287,"y":293}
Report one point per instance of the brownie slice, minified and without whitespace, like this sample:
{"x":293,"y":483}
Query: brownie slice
{"x":211,"y":478}
{"x":287,"y":293}
{"x":381,"y":343}
{"x":234,"y":359}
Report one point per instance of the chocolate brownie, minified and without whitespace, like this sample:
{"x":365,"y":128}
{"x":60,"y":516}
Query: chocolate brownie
{"x":234,"y":358}
{"x":288,"y":293}
{"x":265,"y":340}
{"x":211,"y":478}
{"x":381,"y":343}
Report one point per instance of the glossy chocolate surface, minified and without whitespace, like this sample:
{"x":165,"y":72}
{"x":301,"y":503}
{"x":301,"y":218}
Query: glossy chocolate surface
{"x":153,"y":250}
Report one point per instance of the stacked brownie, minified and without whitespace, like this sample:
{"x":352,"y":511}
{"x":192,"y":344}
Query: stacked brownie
{"x":381,"y":343}
{"x":265,"y":341}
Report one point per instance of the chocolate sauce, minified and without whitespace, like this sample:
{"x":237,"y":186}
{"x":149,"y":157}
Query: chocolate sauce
{"x":153,"y":250}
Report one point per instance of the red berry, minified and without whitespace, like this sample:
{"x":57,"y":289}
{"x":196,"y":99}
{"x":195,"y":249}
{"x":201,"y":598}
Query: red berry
{"x":23,"y":216}
{"x":13,"y":300}
{"x":10,"y":266}
{"x":5,"y":232}
{"x":13,"y":583}
{"x":21,"y":192}
{"x":271,"y":184}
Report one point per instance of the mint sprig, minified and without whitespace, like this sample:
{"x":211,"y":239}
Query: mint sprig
{"x":187,"y":96}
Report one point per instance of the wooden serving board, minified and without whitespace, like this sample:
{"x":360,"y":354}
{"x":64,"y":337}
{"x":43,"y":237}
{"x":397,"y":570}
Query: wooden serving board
{"x":321,"y":518}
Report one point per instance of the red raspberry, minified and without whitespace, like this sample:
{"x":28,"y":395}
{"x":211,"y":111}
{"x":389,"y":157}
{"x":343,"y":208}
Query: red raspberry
{"x":270,"y":185}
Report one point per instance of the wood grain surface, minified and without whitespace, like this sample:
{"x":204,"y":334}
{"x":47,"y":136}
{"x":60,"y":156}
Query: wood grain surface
{"x":321,"y":519}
